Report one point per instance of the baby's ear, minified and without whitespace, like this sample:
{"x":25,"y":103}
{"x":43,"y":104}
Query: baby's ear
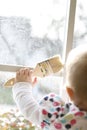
{"x":70,"y":93}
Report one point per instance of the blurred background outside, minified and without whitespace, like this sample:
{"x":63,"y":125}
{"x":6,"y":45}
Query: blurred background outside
{"x":31,"y":31}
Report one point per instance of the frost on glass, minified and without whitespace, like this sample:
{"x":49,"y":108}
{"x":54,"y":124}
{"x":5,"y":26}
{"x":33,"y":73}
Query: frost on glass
{"x":80,"y":35}
{"x":19,"y":46}
{"x":30,"y":32}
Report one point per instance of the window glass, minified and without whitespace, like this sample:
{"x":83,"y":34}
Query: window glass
{"x":80,"y":33}
{"x":31,"y":31}
{"x":37,"y":32}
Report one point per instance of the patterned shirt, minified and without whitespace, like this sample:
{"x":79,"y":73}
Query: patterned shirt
{"x":60,"y":116}
{"x":51,"y":113}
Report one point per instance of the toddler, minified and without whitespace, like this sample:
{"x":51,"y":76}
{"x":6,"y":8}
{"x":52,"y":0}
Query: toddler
{"x":52,"y":113}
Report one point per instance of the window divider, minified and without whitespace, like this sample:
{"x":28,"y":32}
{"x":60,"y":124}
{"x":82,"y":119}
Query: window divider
{"x":69,"y":27}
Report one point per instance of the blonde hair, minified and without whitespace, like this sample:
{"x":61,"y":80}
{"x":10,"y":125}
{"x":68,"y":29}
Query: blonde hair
{"x":76,"y":70}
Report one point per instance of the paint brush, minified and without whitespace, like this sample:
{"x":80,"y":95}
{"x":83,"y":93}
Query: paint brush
{"x":45,"y":68}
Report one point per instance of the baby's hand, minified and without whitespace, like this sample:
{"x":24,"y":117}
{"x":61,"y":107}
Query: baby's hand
{"x":24,"y":75}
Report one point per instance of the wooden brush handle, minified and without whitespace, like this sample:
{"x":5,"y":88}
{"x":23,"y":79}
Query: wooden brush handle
{"x":42,"y":69}
{"x":10,"y":82}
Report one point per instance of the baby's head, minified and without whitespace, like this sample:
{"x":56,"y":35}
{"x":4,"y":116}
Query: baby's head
{"x":76,"y":76}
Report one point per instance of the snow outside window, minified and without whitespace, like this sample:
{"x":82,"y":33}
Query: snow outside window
{"x":32,"y":31}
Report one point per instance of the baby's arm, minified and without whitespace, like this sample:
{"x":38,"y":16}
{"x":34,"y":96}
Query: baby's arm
{"x":41,"y":114}
{"x":22,"y":93}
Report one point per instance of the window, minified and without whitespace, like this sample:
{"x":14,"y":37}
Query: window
{"x":80,"y":33}
{"x":31,"y":31}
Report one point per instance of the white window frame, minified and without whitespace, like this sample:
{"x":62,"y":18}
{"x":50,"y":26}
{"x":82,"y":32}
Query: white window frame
{"x":68,"y":41}
{"x":69,"y":31}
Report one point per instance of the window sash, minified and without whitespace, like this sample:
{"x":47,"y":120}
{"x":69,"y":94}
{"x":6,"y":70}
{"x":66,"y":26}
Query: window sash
{"x":68,"y":41}
{"x":69,"y":31}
